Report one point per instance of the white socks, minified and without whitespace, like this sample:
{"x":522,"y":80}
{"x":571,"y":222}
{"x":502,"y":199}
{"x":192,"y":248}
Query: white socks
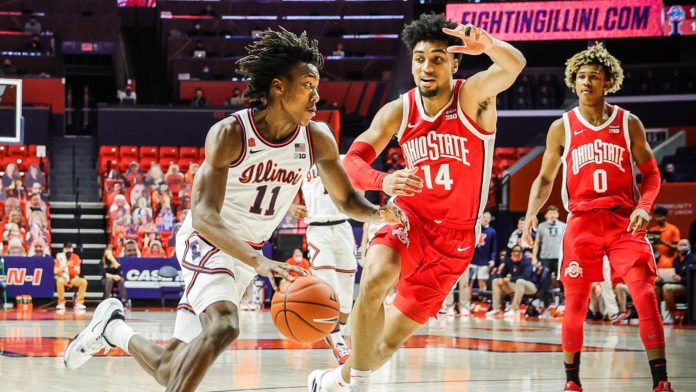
{"x":342,"y":329}
{"x":359,"y":380}
{"x":119,"y":334}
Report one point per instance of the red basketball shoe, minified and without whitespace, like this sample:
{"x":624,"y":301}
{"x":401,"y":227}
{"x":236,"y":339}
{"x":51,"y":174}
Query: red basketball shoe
{"x":571,"y":386}
{"x":663,"y":386}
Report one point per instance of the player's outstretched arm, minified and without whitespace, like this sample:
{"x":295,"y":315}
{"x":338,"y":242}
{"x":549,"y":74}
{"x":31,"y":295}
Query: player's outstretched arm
{"x":543,"y":184}
{"x":369,"y":145}
{"x":222,"y":146}
{"x":350,"y":201}
{"x":647,"y":165}
{"x":508,"y":62}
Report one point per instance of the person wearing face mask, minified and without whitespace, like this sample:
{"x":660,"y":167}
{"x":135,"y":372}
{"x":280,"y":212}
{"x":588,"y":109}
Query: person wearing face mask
{"x":298,"y":260}
{"x":67,"y":271}
{"x":516,"y":277}
{"x":666,"y":243}
{"x":676,"y":289}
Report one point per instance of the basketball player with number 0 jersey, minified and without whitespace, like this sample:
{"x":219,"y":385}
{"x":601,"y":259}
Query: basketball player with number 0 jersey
{"x":254,"y":165}
{"x":600,"y":146}
{"x":446,"y":129}
{"x":331,"y":251}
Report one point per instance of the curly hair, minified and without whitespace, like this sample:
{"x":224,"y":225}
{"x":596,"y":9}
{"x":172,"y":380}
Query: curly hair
{"x":596,"y":54}
{"x":428,"y":27}
{"x":274,"y":55}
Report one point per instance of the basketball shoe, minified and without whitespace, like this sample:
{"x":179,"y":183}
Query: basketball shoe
{"x":338,"y":346}
{"x":314,"y":381}
{"x":571,"y":386}
{"x":663,"y":386}
{"x":90,"y":341}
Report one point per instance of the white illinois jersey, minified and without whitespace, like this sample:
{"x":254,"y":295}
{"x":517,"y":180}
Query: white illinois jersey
{"x":264,"y":180}
{"x":320,"y":207}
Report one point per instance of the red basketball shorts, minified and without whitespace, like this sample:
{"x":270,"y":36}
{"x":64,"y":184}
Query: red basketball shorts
{"x":433,"y":257}
{"x":590,"y":235}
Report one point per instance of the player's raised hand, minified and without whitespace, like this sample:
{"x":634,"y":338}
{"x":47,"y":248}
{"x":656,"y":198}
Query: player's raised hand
{"x":638,"y":221}
{"x":298,"y":211}
{"x":272,"y":269}
{"x":392,"y":215}
{"x":475,"y":40}
{"x":530,"y":223}
{"x":402,"y":182}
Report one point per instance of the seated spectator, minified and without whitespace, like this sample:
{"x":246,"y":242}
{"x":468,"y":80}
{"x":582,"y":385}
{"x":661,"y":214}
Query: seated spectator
{"x":115,"y":191}
{"x":39,"y":190}
{"x":165,"y":218}
{"x":12,"y":204}
{"x":161,"y":196}
{"x":130,"y":249}
{"x":666,"y":242}
{"x":35,"y":204}
{"x":236,"y":99}
{"x":298,"y":260}
{"x":16,"y":189}
{"x":340,"y":51}
{"x":39,"y":248}
{"x":17,"y":218}
{"x":115,"y":174}
{"x":191,"y":173}
{"x":36,"y":233}
{"x":33,"y":26}
{"x":127,"y":96}
{"x":671,"y":291}
{"x":138,"y":191}
{"x":11,"y":174}
{"x":112,"y":275}
{"x":668,"y":174}
{"x":34,"y":46}
{"x":38,"y":218}
{"x":8,"y":68}
{"x":3,"y":194}
{"x":142,"y":209}
{"x":516,"y":278}
{"x":174,"y":179}
{"x":133,"y":175}
{"x":155,"y":250}
{"x":155,"y":177}
{"x":15,"y":248}
{"x":34,"y":176}
{"x":67,"y":272}
{"x":199,"y":98}
{"x":119,"y":207}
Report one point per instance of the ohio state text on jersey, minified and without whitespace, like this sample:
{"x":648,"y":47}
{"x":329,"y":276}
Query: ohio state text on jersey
{"x":454,"y":157}
{"x":598,"y":170}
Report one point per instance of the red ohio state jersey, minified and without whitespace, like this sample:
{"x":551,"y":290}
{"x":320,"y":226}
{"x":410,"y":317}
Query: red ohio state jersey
{"x":454,"y":157}
{"x":598,"y":170}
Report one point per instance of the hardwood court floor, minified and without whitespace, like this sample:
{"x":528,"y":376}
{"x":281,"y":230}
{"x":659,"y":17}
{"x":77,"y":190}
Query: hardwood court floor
{"x":451,"y":354}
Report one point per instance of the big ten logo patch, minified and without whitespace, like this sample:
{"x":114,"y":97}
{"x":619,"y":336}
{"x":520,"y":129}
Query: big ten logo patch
{"x":451,"y":114}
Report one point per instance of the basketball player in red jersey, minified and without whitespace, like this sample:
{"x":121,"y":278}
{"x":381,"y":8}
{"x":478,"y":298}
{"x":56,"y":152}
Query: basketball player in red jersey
{"x":270,"y":147}
{"x":446,"y":128}
{"x":598,"y":145}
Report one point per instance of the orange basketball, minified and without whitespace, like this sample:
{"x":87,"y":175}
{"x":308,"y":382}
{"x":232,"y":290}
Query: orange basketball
{"x":305,"y":310}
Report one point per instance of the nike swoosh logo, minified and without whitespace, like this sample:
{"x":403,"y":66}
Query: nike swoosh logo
{"x":576,"y":133}
{"x":254,"y":151}
{"x":331,"y":320}
{"x":460,"y":249}
{"x":411,"y":125}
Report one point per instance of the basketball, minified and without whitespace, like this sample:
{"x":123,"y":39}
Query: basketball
{"x":306,"y":310}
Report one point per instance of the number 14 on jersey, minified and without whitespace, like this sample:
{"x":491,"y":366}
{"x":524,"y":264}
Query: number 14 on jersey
{"x":441,"y":178}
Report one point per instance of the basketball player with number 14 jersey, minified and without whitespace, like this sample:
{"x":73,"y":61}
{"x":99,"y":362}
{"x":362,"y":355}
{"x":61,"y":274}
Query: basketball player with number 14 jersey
{"x":599,"y":146}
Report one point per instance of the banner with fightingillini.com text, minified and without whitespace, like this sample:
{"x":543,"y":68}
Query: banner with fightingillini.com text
{"x":558,"y":20}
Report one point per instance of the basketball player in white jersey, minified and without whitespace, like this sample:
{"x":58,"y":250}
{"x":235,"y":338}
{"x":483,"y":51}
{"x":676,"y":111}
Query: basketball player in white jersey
{"x":331,"y":251}
{"x":254,"y":164}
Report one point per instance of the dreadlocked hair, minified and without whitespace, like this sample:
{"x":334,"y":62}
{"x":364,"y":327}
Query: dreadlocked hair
{"x":596,"y":54}
{"x":272,"y":56}
{"x":429,"y":27}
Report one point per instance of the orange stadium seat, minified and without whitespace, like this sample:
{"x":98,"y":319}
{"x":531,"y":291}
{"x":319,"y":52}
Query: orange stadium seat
{"x":168,"y":152}
{"x":188,"y":152}
{"x":18,"y":151}
{"x":108,"y":152}
{"x":201,"y":153}
{"x":128,"y":152}
{"x":146,"y":163}
{"x":106,"y":164}
{"x":505,"y":153}
{"x":184,"y":164}
{"x":166,"y":162}
{"x":3,"y":151}
{"x":148,"y":152}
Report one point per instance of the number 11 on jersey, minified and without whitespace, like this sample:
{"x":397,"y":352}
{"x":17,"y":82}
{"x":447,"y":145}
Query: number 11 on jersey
{"x":441,"y":178}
